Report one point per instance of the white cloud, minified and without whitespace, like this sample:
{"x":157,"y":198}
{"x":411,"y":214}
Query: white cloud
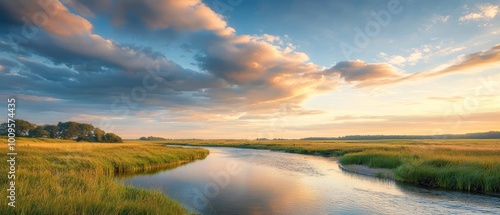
{"x":483,"y":12}
{"x":437,"y":19}
{"x":415,"y":57}
{"x":448,"y":51}
{"x":397,"y":60}
{"x":411,"y":59}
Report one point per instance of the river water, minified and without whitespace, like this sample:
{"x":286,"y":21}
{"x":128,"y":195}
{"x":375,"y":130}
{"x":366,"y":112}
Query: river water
{"x":246,"y":181}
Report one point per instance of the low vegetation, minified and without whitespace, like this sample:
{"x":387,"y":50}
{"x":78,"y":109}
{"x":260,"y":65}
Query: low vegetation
{"x":66,"y":177}
{"x":467,"y":165}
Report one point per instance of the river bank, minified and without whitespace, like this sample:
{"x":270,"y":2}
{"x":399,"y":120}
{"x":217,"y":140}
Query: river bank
{"x":365,"y":170}
{"x":464,"y":165}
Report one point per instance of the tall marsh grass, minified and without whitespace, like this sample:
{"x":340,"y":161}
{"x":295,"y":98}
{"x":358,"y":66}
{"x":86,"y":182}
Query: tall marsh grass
{"x":66,"y":177}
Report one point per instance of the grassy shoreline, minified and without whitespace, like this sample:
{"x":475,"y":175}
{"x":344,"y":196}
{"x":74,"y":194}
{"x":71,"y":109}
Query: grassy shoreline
{"x":465,"y":165}
{"x":67,"y":177}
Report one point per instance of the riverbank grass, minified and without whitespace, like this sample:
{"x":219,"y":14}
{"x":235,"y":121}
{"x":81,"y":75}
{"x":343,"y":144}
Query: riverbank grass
{"x":67,"y":177}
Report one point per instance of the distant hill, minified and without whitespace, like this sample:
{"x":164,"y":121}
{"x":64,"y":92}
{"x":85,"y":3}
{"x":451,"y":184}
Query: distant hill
{"x":481,"y":135}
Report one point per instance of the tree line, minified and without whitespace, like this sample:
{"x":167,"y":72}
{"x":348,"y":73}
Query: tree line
{"x":151,"y":138}
{"x":63,"y":130}
{"x":480,"y":135}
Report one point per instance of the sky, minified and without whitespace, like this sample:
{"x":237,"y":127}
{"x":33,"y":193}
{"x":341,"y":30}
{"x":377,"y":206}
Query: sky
{"x":246,"y":69}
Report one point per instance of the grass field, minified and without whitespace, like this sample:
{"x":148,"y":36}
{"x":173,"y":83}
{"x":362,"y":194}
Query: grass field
{"x":467,"y":165}
{"x":67,"y":177}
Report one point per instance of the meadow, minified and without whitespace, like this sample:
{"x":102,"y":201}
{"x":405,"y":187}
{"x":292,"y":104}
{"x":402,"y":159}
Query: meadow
{"x":466,"y":165}
{"x":67,"y":177}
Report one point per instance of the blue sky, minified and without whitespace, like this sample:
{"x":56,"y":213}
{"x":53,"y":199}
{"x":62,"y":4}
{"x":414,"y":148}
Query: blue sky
{"x":249,"y":69}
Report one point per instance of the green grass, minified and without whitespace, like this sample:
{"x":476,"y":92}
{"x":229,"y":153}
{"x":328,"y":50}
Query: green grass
{"x":467,"y":165}
{"x":66,"y":177}
{"x":373,"y":160}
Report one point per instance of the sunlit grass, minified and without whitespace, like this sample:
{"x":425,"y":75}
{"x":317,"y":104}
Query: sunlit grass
{"x":66,"y":177}
{"x":468,"y":165}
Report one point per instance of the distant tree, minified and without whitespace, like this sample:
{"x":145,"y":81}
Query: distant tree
{"x":39,"y":132}
{"x":85,"y":132}
{"x":112,"y":138}
{"x":68,"y":130}
{"x":4,"y":129}
{"x":52,"y":129}
{"x":151,"y":138}
{"x":98,"y":135}
{"x":23,"y":127}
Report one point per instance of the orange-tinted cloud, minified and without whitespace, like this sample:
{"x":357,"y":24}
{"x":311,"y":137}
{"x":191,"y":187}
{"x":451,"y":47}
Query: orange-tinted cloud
{"x":479,"y":59}
{"x":52,"y":16}
{"x":364,"y":73}
{"x":183,"y":15}
{"x":382,"y":74}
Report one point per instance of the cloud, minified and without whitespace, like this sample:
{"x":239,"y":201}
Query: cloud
{"x":189,"y":15}
{"x":89,"y":8}
{"x":248,"y":72}
{"x":399,"y":124}
{"x":448,"y":99}
{"x":52,"y":16}
{"x":37,"y":98}
{"x":485,"y":58}
{"x":359,"y":71}
{"x":443,"y":19}
{"x":470,"y":61}
{"x":237,"y":73}
{"x":415,"y":57}
{"x":483,"y":12}
{"x":397,"y":60}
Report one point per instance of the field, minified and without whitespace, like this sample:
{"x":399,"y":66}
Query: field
{"x":467,"y":165}
{"x":67,"y":177}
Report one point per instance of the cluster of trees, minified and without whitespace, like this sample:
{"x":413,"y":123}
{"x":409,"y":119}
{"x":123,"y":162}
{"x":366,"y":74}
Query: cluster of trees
{"x":152,"y":138}
{"x":63,"y":130}
{"x":482,"y":135}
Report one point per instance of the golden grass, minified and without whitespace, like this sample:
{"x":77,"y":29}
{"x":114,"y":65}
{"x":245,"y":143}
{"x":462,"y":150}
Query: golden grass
{"x":67,"y":177}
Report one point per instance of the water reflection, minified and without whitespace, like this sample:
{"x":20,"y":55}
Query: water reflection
{"x":245,"y":181}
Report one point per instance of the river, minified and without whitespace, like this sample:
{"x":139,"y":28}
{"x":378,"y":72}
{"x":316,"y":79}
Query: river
{"x":247,"y":181}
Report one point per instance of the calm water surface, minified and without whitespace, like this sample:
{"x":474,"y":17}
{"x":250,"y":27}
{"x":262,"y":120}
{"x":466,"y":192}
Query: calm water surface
{"x":246,"y":181}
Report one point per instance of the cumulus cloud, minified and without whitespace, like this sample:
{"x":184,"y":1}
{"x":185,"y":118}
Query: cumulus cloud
{"x":181,"y":15}
{"x":365,"y":73}
{"x":260,"y":72}
{"x":164,"y":14}
{"x":482,"y":12}
{"x":89,"y":8}
{"x":246,"y":71}
{"x":52,"y":16}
